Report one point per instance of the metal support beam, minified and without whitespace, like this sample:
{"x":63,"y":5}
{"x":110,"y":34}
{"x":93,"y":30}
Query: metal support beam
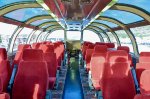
{"x":13,"y":39}
{"x":30,"y":36}
{"x":37,"y":38}
{"x":128,"y":31}
{"x":110,"y":30}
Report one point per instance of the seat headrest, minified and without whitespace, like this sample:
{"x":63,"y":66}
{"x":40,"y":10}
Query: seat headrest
{"x":101,"y":57}
{"x":3,"y":54}
{"x":91,"y":46}
{"x":144,"y":82}
{"x":21,"y":47}
{"x":36,"y":45}
{"x":47,"y":48}
{"x":100,"y":49}
{"x":32,"y":55}
{"x":117,"y":56}
{"x":99,"y":43}
{"x":144,"y":57}
{"x":125,"y":48}
{"x":110,"y":45}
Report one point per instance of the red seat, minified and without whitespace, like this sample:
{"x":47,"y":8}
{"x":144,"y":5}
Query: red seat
{"x":141,"y":96}
{"x":126,"y":48}
{"x":97,"y":63}
{"x":36,"y":45}
{"x":18,"y":55}
{"x":110,"y":45}
{"x":144,"y":64}
{"x":31,"y":81}
{"x":88,"y":55}
{"x":100,"y":43}
{"x":100,"y":49}
{"x":4,"y":96}
{"x":5,"y":70}
{"x":144,"y":85}
{"x":117,"y":81}
{"x":50,"y":58}
{"x":58,"y":54}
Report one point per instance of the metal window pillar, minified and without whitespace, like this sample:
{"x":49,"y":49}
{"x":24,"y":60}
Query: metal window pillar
{"x":30,"y":36}
{"x":37,"y":38}
{"x":13,"y":39}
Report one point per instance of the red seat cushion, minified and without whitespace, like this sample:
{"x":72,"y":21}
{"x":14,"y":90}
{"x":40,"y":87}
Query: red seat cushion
{"x":100,"y":49}
{"x":88,"y":58}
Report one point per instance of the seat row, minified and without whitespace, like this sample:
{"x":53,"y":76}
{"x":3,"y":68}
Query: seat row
{"x":33,"y":71}
{"x":110,"y":70}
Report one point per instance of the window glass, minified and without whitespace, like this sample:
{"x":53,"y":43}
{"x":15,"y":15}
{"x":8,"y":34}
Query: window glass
{"x":140,"y":3}
{"x":5,"y":2}
{"x":26,"y":13}
{"x":34,"y":36}
{"x":6,"y":32}
{"x":142,"y":35}
{"x":73,"y":35}
{"x":90,"y":36}
{"x":104,"y":37}
{"x":38,"y":22}
{"x":57,"y":35}
{"x":124,"y":39}
{"x":22,"y":37}
{"x":42,"y":36}
{"x":110,"y":24}
{"x":112,"y":38}
{"x":123,"y":16}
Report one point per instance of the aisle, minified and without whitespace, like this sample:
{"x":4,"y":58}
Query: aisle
{"x":73,"y":87}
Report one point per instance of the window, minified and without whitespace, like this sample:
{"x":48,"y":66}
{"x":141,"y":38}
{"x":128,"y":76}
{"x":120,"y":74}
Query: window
{"x":34,"y":36}
{"x":104,"y":37}
{"x":90,"y":36}
{"x":140,"y":3}
{"x":42,"y":37}
{"x":38,"y":22}
{"x":22,"y":37}
{"x":142,"y":35}
{"x":6,"y":2}
{"x":110,"y":24}
{"x":123,"y":16}
{"x":57,"y":35}
{"x":73,"y":35}
{"x":6,"y":32}
{"x":124,"y":39}
{"x":26,"y":13}
{"x":112,"y":38}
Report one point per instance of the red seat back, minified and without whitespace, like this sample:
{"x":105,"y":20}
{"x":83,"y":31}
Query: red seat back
{"x":88,"y":55}
{"x":145,"y":82}
{"x":5,"y":70}
{"x":100,"y":49}
{"x":144,"y":64}
{"x":18,"y":55}
{"x":31,"y":81}
{"x":126,"y":48}
{"x":97,"y":63}
{"x":36,"y":45}
{"x":110,"y":45}
{"x":117,"y":81}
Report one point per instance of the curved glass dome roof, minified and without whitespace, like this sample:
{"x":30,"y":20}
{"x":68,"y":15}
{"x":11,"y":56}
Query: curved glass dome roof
{"x":6,"y":2}
{"x":123,"y":16}
{"x":145,"y":4}
{"x":26,"y":13}
{"x":110,"y":24}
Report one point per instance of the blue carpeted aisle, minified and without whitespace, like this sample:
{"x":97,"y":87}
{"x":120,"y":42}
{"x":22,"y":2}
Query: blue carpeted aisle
{"x":73,"y":87}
